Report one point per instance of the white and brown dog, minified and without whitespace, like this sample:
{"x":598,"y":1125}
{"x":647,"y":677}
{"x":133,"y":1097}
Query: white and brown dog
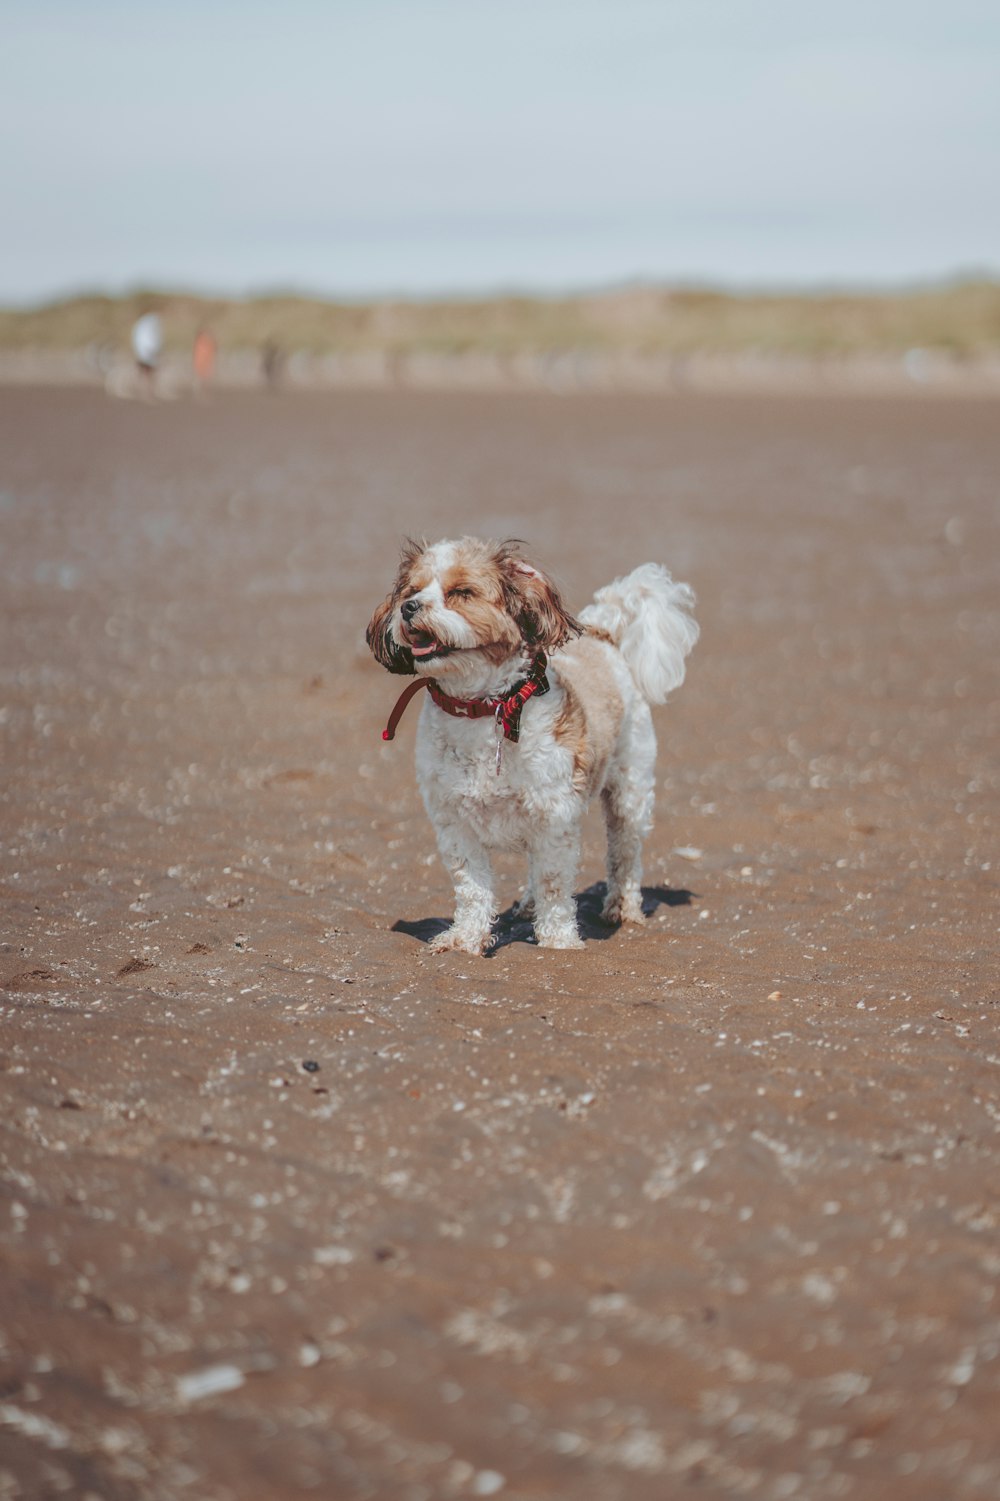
{"x":529,"y":714}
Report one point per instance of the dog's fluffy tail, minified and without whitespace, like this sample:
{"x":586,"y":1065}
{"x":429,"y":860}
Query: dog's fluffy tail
{"x":647,"y":615}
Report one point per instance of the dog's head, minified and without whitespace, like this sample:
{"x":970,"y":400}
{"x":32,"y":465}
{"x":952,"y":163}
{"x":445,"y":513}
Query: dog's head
{"x":455,"y":599}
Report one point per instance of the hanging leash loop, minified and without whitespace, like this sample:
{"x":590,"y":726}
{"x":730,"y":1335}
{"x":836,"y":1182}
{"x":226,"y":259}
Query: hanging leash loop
{"x":389,"y":733}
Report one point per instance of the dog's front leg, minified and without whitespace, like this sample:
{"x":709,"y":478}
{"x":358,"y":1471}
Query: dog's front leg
{"x":555,"y":855}
{"x":475,"y":904}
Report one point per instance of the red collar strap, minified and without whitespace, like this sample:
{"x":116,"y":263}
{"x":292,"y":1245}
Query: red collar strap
{"x":506,"y":711}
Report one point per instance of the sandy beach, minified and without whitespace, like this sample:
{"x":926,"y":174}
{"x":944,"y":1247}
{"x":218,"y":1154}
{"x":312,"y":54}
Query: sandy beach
{"x":291,"y":1207}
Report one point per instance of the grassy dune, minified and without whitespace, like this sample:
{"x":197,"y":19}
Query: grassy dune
{"x":962,"y":320}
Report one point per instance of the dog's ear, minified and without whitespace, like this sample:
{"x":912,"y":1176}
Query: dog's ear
{"x":384,"y":648}
{"x":536,"y":604}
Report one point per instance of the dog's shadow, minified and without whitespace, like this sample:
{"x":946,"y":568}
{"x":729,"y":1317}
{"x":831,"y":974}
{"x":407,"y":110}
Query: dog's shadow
{"x":510,"y":927}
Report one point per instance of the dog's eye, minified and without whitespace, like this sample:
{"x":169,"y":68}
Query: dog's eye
{"x":461,"y":593}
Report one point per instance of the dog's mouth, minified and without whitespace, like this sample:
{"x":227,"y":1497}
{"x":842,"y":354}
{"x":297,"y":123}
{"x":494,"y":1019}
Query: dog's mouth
{"x":422,"y":644}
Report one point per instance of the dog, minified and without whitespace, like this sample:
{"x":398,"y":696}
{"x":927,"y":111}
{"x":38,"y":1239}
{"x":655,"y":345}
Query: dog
{"x":529,"y":714}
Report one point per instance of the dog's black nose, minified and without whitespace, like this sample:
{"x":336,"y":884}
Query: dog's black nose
{"x":409,"y":608}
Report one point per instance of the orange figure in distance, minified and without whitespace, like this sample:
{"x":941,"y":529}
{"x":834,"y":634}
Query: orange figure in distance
{"x":203,"y":358}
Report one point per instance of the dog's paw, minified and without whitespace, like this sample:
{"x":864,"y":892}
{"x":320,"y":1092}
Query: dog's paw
{"x":453,"y":940}
{"x":621,"y":907}
{"x":560,"y":939}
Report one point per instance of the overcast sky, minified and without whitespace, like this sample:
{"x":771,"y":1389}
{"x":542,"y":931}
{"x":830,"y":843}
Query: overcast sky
{"x":386,"y":146}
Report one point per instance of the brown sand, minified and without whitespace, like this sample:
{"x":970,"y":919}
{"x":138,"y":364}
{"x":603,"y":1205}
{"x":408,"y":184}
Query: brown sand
{"x":708,"y":1208}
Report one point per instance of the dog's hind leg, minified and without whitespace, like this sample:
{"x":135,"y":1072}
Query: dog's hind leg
{"x":524,"y":908}
{"x":628,"y":813}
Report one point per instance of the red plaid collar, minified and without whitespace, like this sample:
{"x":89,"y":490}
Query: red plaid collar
{"x":506,"y":711}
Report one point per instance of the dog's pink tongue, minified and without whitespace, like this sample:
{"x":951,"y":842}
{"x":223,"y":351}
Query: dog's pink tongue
{"x":425,"y":651}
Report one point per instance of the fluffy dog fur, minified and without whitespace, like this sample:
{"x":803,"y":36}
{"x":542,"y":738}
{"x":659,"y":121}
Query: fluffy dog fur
{"x":472,"y":614}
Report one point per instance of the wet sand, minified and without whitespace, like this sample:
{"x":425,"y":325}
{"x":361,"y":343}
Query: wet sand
{"x":291,"y":1207}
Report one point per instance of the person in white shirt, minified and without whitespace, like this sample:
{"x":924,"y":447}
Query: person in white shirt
{"x":147,"y":345}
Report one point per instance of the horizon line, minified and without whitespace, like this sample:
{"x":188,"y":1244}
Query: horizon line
{"x":495,"y":292}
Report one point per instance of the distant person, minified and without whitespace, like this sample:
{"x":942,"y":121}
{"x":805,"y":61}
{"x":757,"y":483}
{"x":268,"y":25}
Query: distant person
{"x":203,"y":359}
{"x":147,"y":346}
{"x":271,"y":364}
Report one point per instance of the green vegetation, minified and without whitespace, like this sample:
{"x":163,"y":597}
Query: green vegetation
{"x":962,"y":319}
